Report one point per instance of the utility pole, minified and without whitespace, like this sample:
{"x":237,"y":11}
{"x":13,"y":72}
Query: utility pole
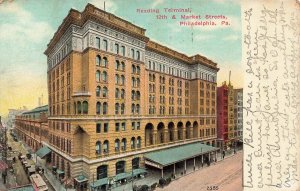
{"x":132,"y":177}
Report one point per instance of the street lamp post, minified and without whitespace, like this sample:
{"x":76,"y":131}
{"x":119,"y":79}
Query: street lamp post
{"x":132,"y":177}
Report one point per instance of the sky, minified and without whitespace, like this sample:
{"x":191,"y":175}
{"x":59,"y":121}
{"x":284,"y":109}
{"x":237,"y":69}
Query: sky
{"x":26,"y":27}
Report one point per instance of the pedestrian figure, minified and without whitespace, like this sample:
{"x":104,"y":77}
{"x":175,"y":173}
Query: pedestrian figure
{"x":223,"y":154}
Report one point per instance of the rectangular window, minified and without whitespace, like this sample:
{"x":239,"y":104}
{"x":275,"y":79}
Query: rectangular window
{"x":98,"y":128}
{"x":117,"y":127}
{"x":97,"y":42}
{"x":105,"y":45}
{"x":123,"y":50}
{"x":133,"y":125}
{"x":123,"y":126}
{"x":105,"y":127}
{"x":138,"y":125}
{"x":117,"y":48}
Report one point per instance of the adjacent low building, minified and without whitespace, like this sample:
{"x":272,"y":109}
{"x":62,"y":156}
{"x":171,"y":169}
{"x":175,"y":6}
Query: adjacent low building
{"x":32,"y":127}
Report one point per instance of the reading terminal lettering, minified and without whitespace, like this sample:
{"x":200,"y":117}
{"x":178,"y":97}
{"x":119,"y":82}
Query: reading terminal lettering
{"x":166,"y":10}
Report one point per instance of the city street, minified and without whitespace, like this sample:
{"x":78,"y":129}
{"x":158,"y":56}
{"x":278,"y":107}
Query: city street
{"x":19,"y":176}
{"x":225,"y":175}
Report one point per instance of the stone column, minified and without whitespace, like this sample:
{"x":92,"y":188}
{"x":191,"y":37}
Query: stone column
{"x":166,"y":136}
{"x":175,"y":133}
{"x":183,"y":133}
{"x":154,"y":137}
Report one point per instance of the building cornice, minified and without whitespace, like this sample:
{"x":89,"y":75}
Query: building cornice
{"x":95,"y":14}
{"x":166,"y":51}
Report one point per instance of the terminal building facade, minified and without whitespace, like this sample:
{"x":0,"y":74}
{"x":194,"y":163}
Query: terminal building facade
{"x":114,"y":95}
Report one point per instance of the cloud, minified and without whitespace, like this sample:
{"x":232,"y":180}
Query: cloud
{"x":227,"y":1}
{"x":202,"y":37}
{"x":156,"y":3}
{"x":232,"y":38}
{"x":110,"y":6}
{"x":21,"y":26}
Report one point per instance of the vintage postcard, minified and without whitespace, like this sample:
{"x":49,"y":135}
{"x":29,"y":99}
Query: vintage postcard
{"x":140,"y":95}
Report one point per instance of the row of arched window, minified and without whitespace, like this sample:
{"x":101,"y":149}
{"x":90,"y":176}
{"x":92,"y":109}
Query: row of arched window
{"x":135,"y":109}
{"x":101,"y":108}
{"x":119,"y":80}
{"x":151,"y":88}
{"x":81,"y":107}
{"x":135,"y":54}
{"x":169,"y":70}
{"x":119,"y":108}
{"x":101,"y":77}
{"x":135,"y":82}
{"x":101,"y":92}
{"x":162,"y":80}
{"x":152,"y":77}
{"x":120,"y":67}
{"x":120,"y":94}
{"x":101,"y":62}
{"x":135,"y":95}
{"x":135,"y":69}
{"x":119,"y":145}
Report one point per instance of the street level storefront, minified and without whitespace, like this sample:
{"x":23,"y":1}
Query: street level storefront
{"x":163,"y":158}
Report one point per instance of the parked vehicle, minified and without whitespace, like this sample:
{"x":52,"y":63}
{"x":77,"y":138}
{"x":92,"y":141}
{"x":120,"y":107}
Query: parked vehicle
{"x":38,"y":182}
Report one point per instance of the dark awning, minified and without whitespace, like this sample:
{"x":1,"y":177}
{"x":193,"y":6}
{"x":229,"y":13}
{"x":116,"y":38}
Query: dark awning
{"x":139,"y":171}
{"x":99,"y":183}
{"x":122,"y":176}
{"x":42,"y":152}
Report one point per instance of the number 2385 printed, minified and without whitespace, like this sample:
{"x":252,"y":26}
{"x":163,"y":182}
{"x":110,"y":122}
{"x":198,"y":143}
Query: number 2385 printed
{"x":212,"y":188}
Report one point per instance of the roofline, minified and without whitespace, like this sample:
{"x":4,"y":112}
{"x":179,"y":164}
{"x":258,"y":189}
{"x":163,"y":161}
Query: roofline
{"x":91,"y":12}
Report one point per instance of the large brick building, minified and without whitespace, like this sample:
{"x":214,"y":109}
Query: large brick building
{"x":115,"y":95}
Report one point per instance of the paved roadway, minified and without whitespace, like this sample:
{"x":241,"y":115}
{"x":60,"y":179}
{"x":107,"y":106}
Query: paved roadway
{"x":21,"y":176}
{"x":226,"y":175}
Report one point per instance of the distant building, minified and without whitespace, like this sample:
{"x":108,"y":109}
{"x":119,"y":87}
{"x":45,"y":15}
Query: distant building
{"x":238,"y":113}
{"x":222,"y":114}
{"x":12,"y":115}
{"x":225,"y":115}
{"x":32,"y":127}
